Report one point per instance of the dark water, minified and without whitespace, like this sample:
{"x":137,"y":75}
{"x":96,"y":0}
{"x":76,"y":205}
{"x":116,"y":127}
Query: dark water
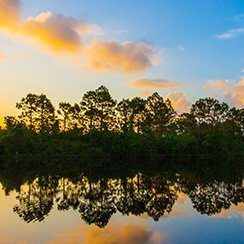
{"x":197,"y":205}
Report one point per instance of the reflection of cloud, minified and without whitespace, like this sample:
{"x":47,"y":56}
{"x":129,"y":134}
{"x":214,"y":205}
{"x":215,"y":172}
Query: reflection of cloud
{"x":5,"y":239}
{"x":115,"y":56}
{"x":153,"y":84}
{"x":233,"y":212}
{"x":124,"y":233}
{"x":180,"y":102}
{"x":182,"y":198}
{"x":60,"y":33}
{"x":11,"y":239}
{"x":175,"y":212}
{"x":231,"y":93}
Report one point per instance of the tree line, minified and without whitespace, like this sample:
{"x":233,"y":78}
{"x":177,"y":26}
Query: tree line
{"x":136,"y":126}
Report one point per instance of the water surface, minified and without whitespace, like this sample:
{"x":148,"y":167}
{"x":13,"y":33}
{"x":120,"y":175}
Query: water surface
{"x":142,"y":207}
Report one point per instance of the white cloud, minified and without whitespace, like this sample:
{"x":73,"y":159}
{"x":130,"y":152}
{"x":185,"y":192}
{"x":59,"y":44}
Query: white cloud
{"x":230,"y":34}
{"x":181,"y":48}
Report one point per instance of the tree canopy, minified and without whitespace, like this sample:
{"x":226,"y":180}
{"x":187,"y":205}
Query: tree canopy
{"x":100,"y":126}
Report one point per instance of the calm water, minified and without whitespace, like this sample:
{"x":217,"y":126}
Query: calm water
{"x":142,"y":208}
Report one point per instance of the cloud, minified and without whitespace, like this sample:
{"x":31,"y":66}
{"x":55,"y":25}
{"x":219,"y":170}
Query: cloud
{"x":124,"y":233}
{"x":236,"y":212}
{"x":56,"y":31}
{"x":239,"y":18}
{"x":2,"y":57}
{"x":59,"y":33}
{"x":9,"y":14}
{"x":153,"y":84}
{"x":146,"y":93}
{"x":181,"y":48}
{"x":230,"y":34}
{"x":231,"y":93}
{"x":180,"y":102}
{"x":115,"y":56}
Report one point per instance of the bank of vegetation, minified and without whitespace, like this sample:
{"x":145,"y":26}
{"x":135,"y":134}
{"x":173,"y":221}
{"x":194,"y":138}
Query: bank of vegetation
{"x":101,"y":129}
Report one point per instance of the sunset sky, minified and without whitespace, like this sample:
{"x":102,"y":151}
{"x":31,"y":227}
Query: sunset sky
{"x":182,"y":49}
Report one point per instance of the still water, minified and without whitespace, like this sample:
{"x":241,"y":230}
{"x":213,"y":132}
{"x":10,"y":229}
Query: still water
{"x":140,"y":208}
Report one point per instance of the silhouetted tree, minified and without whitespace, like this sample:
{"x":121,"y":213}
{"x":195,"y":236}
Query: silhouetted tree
{"x":98,"y":107}
{"x":159,"y":114}
{"x":209,"y":111}
{"x":37,"y":113}
{"x":131,"y":114}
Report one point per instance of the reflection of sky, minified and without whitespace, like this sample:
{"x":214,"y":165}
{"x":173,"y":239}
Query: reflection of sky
{"x":182,"y":225}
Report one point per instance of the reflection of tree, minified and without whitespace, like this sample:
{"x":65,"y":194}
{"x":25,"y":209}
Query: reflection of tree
{"x":97,"y":200}
{"x":131,"y":199}
{"x":213,"y":197}
{"x":69,"y":195}
{"x":163,"y":196}
{"x":97,"y":206}
{"x":146,"y":194}
{"x":37,"y":201}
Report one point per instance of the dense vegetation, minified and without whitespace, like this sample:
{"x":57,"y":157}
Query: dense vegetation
{"x":101,"y":128}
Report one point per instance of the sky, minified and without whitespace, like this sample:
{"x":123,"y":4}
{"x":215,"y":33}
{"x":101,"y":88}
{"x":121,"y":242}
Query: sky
{"x":184,"y":50}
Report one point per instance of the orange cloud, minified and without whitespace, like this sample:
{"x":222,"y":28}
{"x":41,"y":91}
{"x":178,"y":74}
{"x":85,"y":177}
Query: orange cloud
{"x":55,"y":31}
{"x":231,"y":93}
{"x":115,"y":56}
{"x":124,"y":233}
{"x":9,"y":14}
{"x":2,"y":57}
{"x":153,"y":84}
{"x":232,"y":212}
{"x":146,"y":93}
{"x":180,"y":102}
{"x":59,"y":33}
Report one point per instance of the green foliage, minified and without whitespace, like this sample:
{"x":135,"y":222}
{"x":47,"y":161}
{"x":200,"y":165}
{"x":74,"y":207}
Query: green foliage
{"x":132,"y":129}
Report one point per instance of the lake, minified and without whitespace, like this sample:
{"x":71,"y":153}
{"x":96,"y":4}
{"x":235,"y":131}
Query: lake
{"x":122,"y":206}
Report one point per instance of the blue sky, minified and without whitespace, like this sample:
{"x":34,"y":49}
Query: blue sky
{"x":198,"y":44}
